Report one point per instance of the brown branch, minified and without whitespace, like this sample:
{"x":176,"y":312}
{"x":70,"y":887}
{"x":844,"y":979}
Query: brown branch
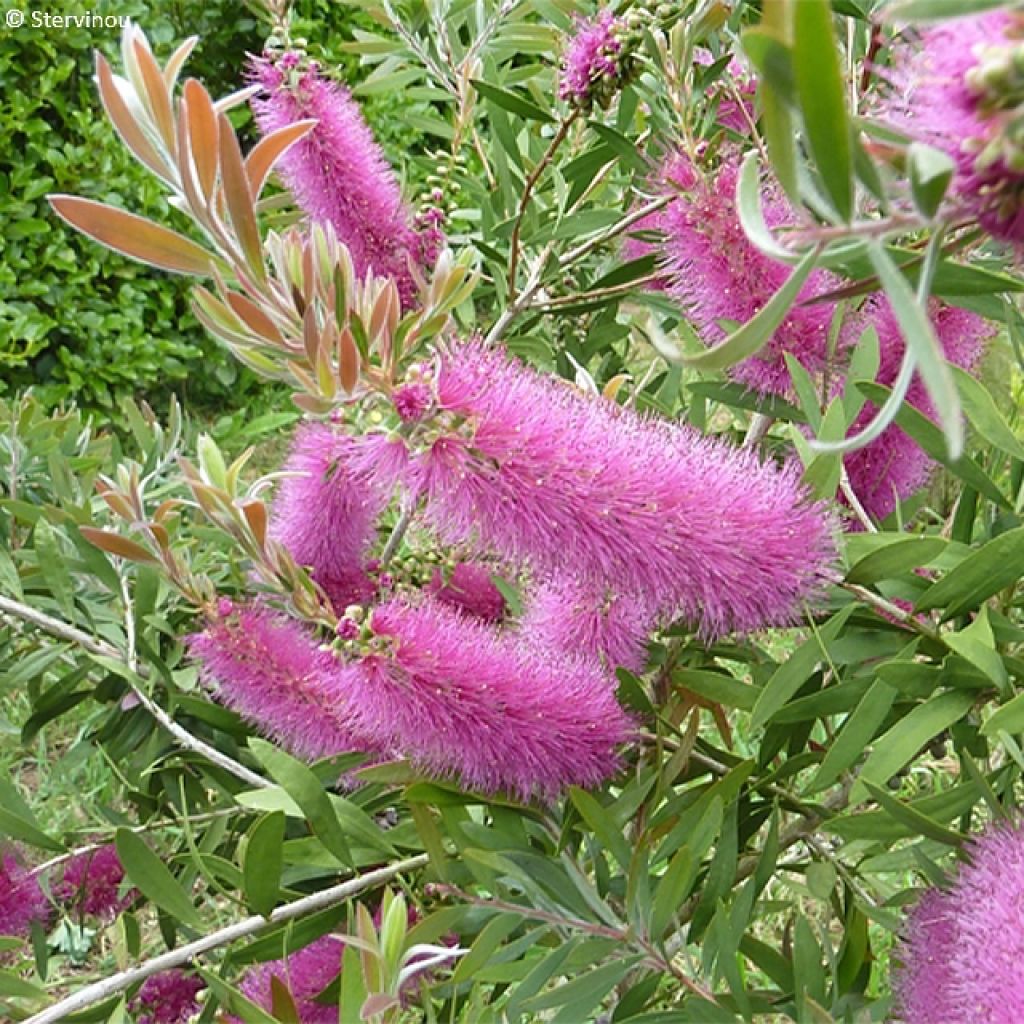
{"x":557,"y":139}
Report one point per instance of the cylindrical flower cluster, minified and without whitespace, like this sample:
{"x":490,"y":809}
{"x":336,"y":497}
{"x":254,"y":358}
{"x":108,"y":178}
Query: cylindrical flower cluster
{"x":959,"y":88}
{"x":337,"y":173}
{"x":963,"y":945}
{"x":538,"y":474}
{"x":893,"y":466}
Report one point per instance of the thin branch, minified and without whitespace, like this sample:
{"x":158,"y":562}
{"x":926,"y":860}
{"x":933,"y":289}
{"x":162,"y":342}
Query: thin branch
{"x":853,"y":501}
{"x":598,"y":293}
{"x":894,"y":611}
{"x":100,"y":990}
{"x":522,"y":300}
{"x":78,"y":851}
{"x":401,"y":526}
{"x":65,"y":631}
{"x":524,"y":200}
{"x":615,"y":229}
{"x":624,"y":935}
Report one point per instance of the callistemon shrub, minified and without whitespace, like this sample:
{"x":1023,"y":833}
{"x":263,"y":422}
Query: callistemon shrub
{"x":609,"y":609}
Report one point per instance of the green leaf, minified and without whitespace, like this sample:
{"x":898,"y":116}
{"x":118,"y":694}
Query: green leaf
{"x":261,"y":867}
{"x":919,"y":333}
{"x":18,"y":822}
{"x":53,"y":566}
{"x":579,"y":996}
{"x":13,"y":987}
{"x":901,"y":743}
{"x":896,"y":558}
{"x":984,"y":414}
{"x":796,"y":669}
{"x":748,"y":206}
{"x":484,"y":946}
{"x":921,"y":429}
{"x":920,"y":824}
{"x":821,"y":90}
{"x":936,"y":10}
{"x":999,"y":564}
{"x":931,"y":171}
{"x":977,"y":644}
{"x":305,"y":789}
{"x":148,"y":873}
{"x":602,"y":825}
{"x":512,"y":102}
{"x":673,"y":888}
{"x":752,"y":336}
{"x":1008,"y":718}
{"x":821,"y":879}
{"x":718,"y":687}
{"x":857,"y":732}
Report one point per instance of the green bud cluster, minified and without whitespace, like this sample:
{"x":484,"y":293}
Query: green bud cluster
{"x":997,"y":80}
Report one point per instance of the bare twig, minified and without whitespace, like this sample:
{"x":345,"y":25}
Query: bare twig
{"x":894,"y":611}
{"x":524,"y":200}
{"x":401,"y":526}
{"x":615,"y":229}
{"x":596,"y":294}
{"x":65,"y":631}
{"x":78,"y":851}
{"x":854,"y":502}
{"x":100,"y":990}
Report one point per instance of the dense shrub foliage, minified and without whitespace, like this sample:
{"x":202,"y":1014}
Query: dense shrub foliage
{"x":131,"y":333}
{"x":631,"y":629}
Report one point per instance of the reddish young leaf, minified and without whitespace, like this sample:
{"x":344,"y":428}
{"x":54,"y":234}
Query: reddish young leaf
{"x":133,"y":236}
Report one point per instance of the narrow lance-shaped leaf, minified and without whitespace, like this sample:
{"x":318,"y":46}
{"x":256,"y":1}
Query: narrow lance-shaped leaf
{"x":235,"y":185}
{"x":203,"y":131}
{"x":752,"y":336}
{"x":266,"y":152}
{"x":155,"y":94}
{"x":133,"y":236}
{"x":127,"y":125}
{"x":153,"y":878}
{"x":921,"y":340}
{"x":820,"y":88}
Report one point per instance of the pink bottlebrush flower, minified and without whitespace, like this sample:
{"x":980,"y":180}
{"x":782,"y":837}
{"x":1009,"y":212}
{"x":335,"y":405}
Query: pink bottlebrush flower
{"x":735,"y":90}
{"x":673,"y":177}
{"x":412,"y":401}
{"x":462,"y":700}
{"x":893,"y":467}
{"x":957,"y":89}
{"x":326,"y":514}
{"x":270,"y":669}
{"x":964,"y":946}
{"x":21,"y":899}
{"x":338,"y":173}
{"x":988,"y":911}
{"x":469,"y":588}
{"x":543,"y":475}
{"x":593,"y":62}
{"x":589,"y":620}
{"x":717,"y":275}
{"x":91,"y":884}
{"x":921,"y":982}
{"x":168,"y":998}
{"x":305,"y":973}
